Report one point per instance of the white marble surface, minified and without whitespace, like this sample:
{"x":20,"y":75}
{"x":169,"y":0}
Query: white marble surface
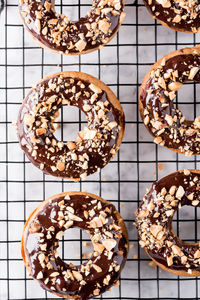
{"x":135,"y":162}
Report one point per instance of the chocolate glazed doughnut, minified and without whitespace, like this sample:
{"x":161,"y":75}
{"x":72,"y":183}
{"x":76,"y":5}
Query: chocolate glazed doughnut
{"x":96,"y":144}
{"x":55,"y":32}
{"x":178,"y":15}
{"x":154,"y":222}
{"x":2,"y":4}
{"x":46,"y":225}
{"x":161,"y":117}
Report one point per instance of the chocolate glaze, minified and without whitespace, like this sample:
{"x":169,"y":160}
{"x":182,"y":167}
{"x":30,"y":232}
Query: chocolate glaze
{"x":47,"y":217}
{"x":2,"y":4}
{"x":68,"y":33}
{"x":177,"y":17}
{"x":91,"y":154}
{"x":183,"y":135}
{"x":160,"y":254}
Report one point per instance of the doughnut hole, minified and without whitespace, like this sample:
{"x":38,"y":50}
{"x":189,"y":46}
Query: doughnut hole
{"x":70,"y":8}
{"x":75,"y":246}
{"x":185,"y":224}
{"x":187,"y":100}
{"x":69,"y":122}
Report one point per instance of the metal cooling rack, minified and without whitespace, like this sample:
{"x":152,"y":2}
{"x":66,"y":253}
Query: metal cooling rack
{"x":122,"y":65}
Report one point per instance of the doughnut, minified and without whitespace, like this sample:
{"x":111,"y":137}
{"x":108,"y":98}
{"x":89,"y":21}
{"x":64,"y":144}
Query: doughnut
{"x":163,"y":120}
{"x":154,"y":222}
{"x":175,"y":14}
{"x":46,"y":226}
{"x":94,"y":146}
{"x":55,"y":32}
{"x":2,"y":4}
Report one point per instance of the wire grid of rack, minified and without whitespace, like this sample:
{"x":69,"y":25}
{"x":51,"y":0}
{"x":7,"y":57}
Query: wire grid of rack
{"x":122,"y":65}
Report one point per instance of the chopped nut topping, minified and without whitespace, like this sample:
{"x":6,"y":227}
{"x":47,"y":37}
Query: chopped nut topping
{"x":35,"y":227}
{"x":176,"y":19}
{"x":40,"y":131}
{"x":28,"y":119}
{"x":39,"y":275}
{"x":197,"y":254}
{"x":96,"y":292}
{"x":38,"y":24}
{"x":54,"y":274}
{"x":71,"y":145}
{"x":111,"y":125}
{"x":176,"y":250}
{"x":60,"y":165}
{"x":74,"y":218}
{"x":95,"y":88}
{"x":180,"y":192}
{"x":164,"y":3}
{"x":186,"y":172}
{"x":169,"y":260}
{"x":193,"y":72}
{"x":77,"y":275}
{"x":143,"y":213}
{"x":158,"y":140}
{"x":68,"y":224}
{"x":90,"y":134}
{"x":80,"y":45}
{"x":59,"y":235}
{"x":109,"y":244}
{"x":190,"y":196}
{"x":155,"y":229}
{"x":97,"y":268}
{"x":98,"y":247}
{"x":98,"y":222}
{"x":195,"y":202}
{"x":104,"y":26}
{"x":174,"y":86}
